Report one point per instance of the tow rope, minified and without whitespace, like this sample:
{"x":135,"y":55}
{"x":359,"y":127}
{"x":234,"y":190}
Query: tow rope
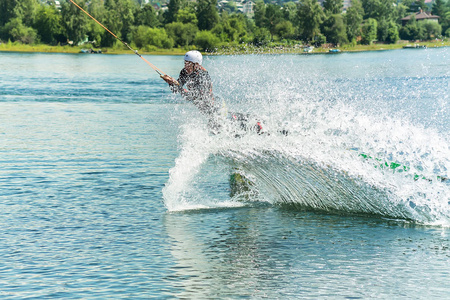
{"x":161,"y":73}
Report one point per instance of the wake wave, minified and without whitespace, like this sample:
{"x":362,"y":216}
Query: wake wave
{"x":322,"y":166}
{"x":339,"y":156}
{"x":310,"y":185}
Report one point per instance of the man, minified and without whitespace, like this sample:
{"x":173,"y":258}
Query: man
{"x":199,"y":91}
{"x":197,"y":82}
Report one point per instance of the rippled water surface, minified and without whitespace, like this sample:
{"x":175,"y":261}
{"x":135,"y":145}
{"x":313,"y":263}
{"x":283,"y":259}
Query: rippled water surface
{"x":111,"y":188}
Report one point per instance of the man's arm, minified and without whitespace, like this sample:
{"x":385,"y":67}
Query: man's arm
{"x":170,"y":80}
{"x":176,"y":86}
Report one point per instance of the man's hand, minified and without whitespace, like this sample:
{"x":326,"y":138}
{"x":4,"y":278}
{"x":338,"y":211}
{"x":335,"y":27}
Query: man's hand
{"x":169,"y":80}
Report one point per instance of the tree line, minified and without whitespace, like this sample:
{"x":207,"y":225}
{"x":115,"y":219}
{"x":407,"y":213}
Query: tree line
{"x":202,"y":25}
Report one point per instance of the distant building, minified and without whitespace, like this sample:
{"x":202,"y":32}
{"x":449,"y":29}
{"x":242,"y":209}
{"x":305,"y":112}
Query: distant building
{"x":56,"y":3}
{"x":221,"y":3}
{"x":420,"y":16}
{"x":242,"y":6}
{"x":156,"y":6}
{"x":347,"y":4}
{"x":248,"y":8}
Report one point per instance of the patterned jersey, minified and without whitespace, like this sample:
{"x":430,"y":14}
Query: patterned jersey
{"x":197,"y":88}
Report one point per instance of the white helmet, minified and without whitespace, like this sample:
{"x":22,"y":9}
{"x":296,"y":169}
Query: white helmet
{"x":194,"y":56}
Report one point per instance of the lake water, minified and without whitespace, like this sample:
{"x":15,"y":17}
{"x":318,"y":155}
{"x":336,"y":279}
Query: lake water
{"x":113,"y":188}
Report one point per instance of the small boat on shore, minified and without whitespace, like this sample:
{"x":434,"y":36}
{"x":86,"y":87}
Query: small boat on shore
{"x":334,"y":51}
{"x":91,"y":51}
{"x":415,"y":46}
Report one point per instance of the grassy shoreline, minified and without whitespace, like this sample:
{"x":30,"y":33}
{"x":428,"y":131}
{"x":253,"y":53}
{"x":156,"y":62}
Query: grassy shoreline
{"x":278,"y":49}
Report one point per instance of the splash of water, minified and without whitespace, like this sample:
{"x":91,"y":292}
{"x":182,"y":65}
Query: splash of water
{"x":319,"y":164}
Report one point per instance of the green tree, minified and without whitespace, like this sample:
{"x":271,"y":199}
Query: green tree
{"x":206,"y":40}
{"x":319,"y":40}
{"x":285,"y":30}
{"x":369,"y":31}
{"x":147,"y":16}
{"x":126,"y":10}
{"x":310,"y":16}
{"x":74,"y":21}
{"x":96,"y":9}
{"x":354,"y":18}
{"x":387,"y":31}
{"x":26,"y":11}
{"x":7,"y":11}
{"x":332,"y":7}
{"x":230,"y":7}
{"x":379,"y":9}
{"x":112,"y":20}
{"x":401,"y":11}
{"x":239,"y":23}
{"x":260,"y":13}
{"x":446,"y":23}
{"x":207,"y":14}
{"x":290,"y":12}
{"x":442,"y":9}
{"x":231,"y":29}
{"x":382,"y":30}
{"x":412,"y":30}
{"x":144,"y":36}
{"x":411,"y":6}
{"x":273,"y":17}
{"x":334,"y":29}
{"x":21,"y":14}
{"x":15,"y":30}
{"x":223,"y":32}
{"x":95,"y":31}
{"x":187,"y":15}
{"x":172,"y":9}
{"x":261,"y":36}
{"x":420,"y":4}
{"x":48,"y":24}
{"x":182,"y":34}
{"x":431,"y":29}
{"x":439,"y":8}
{"x":393,"y":34}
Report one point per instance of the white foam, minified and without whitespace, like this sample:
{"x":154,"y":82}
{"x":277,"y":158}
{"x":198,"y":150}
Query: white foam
{"x":326,"y":138}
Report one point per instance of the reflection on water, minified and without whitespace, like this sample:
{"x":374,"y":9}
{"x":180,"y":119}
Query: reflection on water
{"x":277,"y":253}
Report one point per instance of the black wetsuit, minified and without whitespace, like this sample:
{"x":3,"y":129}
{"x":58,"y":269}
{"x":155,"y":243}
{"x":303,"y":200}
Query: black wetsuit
{"x":198,"y":90}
